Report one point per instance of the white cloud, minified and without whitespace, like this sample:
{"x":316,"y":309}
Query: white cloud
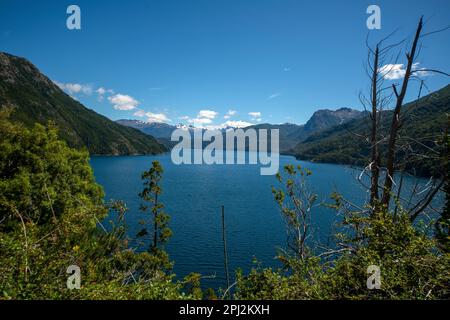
{"x":415,"y":66}
{"x":74,"y":88}
{"x":227,"y":124}
{"x":139,"y":113}
{"x":255,"y":116}
{"x":204,"y":117}
{"x":392,"y":71}
{"x":236,"y":124}
{"x":157,"y":117}
{"x":152,"y":117}
{"x":200,"y":121}
{"x":274,"y":95}
{"x":229,"y":114}
{"x":208,"y":114}
{"x":123,"y":102}
{"x":286,"y":69}
{"x":397,"y":71}
{"x":101,"y":91}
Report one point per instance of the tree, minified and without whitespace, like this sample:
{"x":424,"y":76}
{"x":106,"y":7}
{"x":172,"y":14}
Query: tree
{"x":371,"y":233}
{"x":41,"y":177}
{"x":442,"y":226}
{"x":396,"y":121}
{"x":152,"y":189}
{"x":389,"y":146}
{"x":296,"y":208}
{"x":52,"y":216}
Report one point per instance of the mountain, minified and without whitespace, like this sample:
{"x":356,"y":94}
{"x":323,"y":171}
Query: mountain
{"x":35,"y":98}
{"x":424,"y":120}
{"x":290,"y":134}
{"x":155,"y":129}
{"x":161,"y":131}
{"x":324,"y":119}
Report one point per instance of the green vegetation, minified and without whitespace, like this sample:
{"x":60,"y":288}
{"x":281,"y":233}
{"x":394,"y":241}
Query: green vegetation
{"x":50,"y":218}
{"x":423,"y":126}
{"x":443,"y":222}
{"x":161,"y":232}
{"x":36,"y":99}
{"x":411,"y":265}
{"x":52,"y":212}
{"x":52,"y":215}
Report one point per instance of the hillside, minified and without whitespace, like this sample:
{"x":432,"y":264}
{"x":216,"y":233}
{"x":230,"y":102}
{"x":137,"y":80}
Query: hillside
{"x":35,"y":98}
{"x":425,"y":121}
{"x":292,"y":134}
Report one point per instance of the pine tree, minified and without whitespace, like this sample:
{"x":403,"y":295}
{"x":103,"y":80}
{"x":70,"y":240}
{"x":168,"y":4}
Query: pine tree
{"x":152,"y":190}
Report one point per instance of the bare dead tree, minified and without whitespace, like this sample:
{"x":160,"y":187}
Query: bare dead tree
{"x":396,"y":121}
{"x":378,"y":100}
{"x":385,"y":137}
{"x":375,"y":155}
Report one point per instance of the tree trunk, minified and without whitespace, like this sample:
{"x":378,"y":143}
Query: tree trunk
{"x":375,"y":157}
{"x":155,"y":223}
{"x":387,"y":189}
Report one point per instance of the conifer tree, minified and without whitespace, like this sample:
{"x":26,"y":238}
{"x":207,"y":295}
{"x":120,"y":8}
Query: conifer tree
{"x":152,"y":205}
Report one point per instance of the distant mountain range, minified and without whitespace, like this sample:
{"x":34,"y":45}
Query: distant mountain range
{"x":35,"y":98}
{"x":290,"y":134}
{"x":336,"y":136}
{"x":328,"y":136}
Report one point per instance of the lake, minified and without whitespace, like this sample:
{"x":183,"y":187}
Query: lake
{"x":193,"y":195}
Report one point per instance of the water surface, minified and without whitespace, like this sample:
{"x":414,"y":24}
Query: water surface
{"x":193,"y":195}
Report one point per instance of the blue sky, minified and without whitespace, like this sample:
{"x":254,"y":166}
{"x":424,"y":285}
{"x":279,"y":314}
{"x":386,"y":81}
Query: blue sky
{"x":197,"y":60}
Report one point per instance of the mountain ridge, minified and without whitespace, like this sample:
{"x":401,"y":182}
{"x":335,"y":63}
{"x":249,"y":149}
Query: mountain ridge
{"x":290,"y":133}
{"x":37,"y":99}
{"x":425,"y":121}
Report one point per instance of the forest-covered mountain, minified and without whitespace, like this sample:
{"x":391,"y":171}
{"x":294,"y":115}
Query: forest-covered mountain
{"x":292,"y":134}
{"x":35,"y":98}
{"x":424,"y":122}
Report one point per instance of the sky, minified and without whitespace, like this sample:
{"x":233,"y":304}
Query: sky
{"x":217,"y":62}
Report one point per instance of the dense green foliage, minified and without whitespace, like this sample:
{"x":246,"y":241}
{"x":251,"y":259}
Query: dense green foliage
{"x":424,"y":123}
{"x":36,"y":98}
{"x":51,"y":217}
{"x":411,"y":266}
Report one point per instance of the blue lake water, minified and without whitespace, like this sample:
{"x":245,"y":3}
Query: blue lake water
{"x":193,"y":195}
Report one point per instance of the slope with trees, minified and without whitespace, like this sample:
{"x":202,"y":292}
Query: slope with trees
{"x":36,"y":99}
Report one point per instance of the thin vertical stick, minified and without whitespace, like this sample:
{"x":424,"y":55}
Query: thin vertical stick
{"x":225,"y":250}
